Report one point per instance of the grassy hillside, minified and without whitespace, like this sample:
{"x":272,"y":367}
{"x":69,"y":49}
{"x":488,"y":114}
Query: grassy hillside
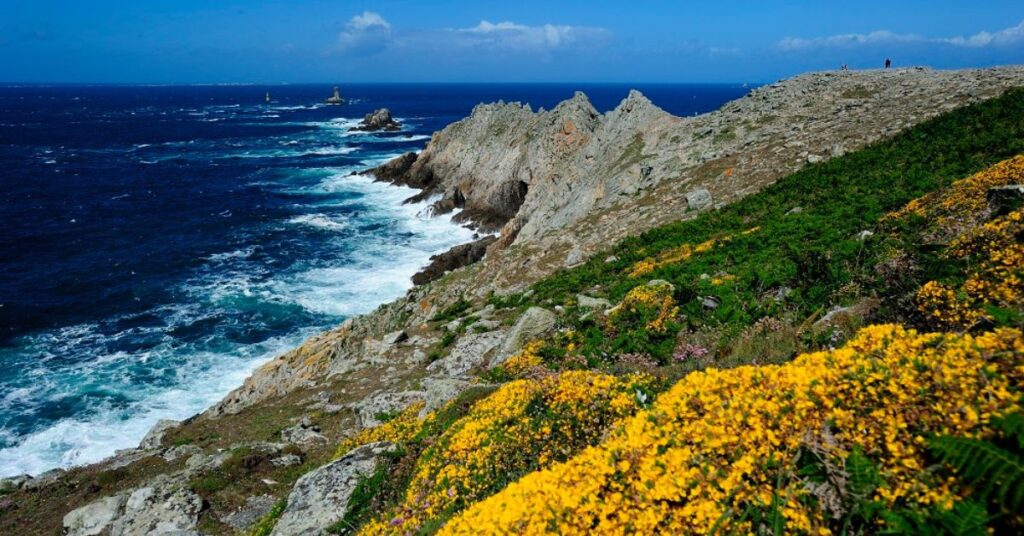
{"x":807,"y":418}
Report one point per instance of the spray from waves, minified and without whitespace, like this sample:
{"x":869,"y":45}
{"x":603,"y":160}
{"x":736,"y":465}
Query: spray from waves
{"x":169,"y":363}
{"x":320,"y":221}
{"x":381,"y":263}
{"x":114,"y":410}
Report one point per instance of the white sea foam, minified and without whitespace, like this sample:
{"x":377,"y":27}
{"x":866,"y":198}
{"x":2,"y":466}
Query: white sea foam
{"x":382,"y":262}
{"x":205,"y":378}
{"x":319,"y":221}
{"x":398,"y":239}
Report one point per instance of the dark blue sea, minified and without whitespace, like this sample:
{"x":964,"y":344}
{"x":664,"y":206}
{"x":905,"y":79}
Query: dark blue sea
{"x":159,"y":242}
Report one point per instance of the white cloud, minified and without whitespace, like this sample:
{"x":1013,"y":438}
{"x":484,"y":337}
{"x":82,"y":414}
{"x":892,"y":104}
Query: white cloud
{"x":366,"y":33}
{"x":511,"y":35}
{"x":1004,"y":37}
{"x":1007,"y":36}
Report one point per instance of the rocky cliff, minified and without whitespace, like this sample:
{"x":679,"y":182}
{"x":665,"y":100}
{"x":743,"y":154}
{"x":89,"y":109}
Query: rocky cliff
{"x":558,"y":186}
{"x":564,"y":184}
{"x":537,"y":175}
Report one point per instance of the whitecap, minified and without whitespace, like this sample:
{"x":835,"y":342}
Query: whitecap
{"x":319,"y":221}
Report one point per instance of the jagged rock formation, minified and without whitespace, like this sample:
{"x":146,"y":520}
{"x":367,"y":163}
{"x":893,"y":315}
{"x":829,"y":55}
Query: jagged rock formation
{"x":320,"y":498}
{"x":566,"y":183}
{"x":377,"y":120}
{"x":454,"y":258}
{"x":573,"y":178}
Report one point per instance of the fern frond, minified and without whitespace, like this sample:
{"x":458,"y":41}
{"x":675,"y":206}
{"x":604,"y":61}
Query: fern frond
{"x":1012,"y":426}
{"x":994,"y":473}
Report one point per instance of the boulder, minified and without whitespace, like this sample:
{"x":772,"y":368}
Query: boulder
{"x":586,"y":302}
{"x":536,"y":321}
{"x":697,"y":199}
{"x":287,"y":460}
{"x":370,"y":407}
{"x":395,"y":337}
{"x":320,"y":498}
{"x":13,"y":483}
{"x":575,"y":257}
{"x":95,"y":517}
{"x":303,"y":433}
{"x":471,"y":350}
{"x":456,"y":257}
{"x":379,"y":119}
{"x":247,"y":516}
{"x":155,"y":436}
{"x":164,"y":507}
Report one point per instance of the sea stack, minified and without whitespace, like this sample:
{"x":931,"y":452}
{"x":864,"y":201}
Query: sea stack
{"x":335,"y":98}
{"x":378,"y":120}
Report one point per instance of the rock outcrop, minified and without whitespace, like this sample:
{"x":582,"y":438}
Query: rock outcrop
{"x":320,"y":498}
{"x":377,"y":120}
{"x":543,"y":176}
{"x":456,"y":257}
{"x":163,"y":507}
{"x":566,"y":183}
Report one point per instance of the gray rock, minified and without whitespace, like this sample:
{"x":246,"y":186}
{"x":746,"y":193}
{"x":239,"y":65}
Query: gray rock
{"x":44,"y":479}
{"x":94,"y":518}
{"x":698,"y":198}
{"x":794,"y":210}
{"x":485,"y":325}
{"x":202,"y":463}
{"x":164,"y":507}
{"x":155,"y":435}
{"x":13,"y":483}
{"x":180,"y":451}
{"x":385,"y":402}
{"x":710,"y":302}
{"x":303,"y":433}
{"x":247,"y":516}
{"x":864,"y":235}
{"x":159,"y":509}
{"x":815,"y":159}
{"x":536,"y":321}
{"x":661,"y":283}
{"x":320,"y":498}
{"x":440,"y":390}
{"x":395,"y":337}
{"x":575,"y":257}
{"x":610,"y":259}
{"x":287,"y":460}
{"x":587,"y":302}
{"x":379,"y":119}
{"x":470,"y":350}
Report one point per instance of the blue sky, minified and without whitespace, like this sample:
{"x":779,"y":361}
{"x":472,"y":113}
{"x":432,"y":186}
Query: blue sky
{"x":190,"y":41}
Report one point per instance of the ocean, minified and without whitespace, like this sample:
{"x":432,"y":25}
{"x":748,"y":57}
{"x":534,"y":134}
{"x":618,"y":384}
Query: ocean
{"x":159,"y":242}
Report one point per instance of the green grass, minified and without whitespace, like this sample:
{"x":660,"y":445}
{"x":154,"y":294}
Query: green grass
{"x":816,"y":253}
{"x":453,"y":311}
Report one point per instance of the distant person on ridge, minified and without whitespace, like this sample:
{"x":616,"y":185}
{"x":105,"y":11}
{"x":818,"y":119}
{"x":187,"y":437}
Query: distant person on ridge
{"x":888,"y":63}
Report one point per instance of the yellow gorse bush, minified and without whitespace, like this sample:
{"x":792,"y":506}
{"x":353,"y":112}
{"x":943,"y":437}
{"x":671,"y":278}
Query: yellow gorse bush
{"x":961,"y":205}
{"x":992,"y":248}
{"x":401,"y":428}
{"x":652,"y":305}
{"x":527,"y":359}
{"x":722,"y":442}
{"x":679,"y":254}
{"x":525,"y":425}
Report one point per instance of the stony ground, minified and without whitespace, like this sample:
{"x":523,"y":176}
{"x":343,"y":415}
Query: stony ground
{"x":589,"y":179}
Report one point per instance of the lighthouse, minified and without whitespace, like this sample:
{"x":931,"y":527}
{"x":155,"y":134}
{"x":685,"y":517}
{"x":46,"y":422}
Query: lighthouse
{"x":335,"y":98}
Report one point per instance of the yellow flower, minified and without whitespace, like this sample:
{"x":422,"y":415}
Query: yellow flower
{"x":724,"y":441}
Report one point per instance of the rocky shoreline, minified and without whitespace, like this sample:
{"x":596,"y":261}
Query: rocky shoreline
{"x":557,"y":187}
